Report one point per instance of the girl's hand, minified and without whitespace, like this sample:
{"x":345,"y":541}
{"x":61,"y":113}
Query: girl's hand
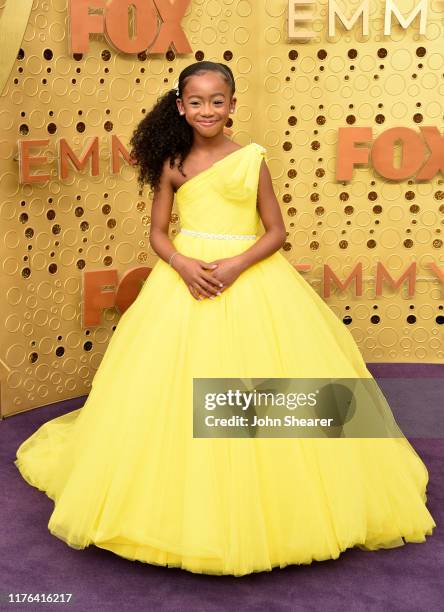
{"x":193,"y":271}
{"x":227,"y":271}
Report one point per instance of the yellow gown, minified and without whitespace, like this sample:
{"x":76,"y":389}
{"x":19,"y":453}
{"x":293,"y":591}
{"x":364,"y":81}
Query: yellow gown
{"x":125,"y":472}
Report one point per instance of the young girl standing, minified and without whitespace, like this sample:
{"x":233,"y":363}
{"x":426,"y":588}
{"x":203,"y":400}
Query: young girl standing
{"x":126,"y":473}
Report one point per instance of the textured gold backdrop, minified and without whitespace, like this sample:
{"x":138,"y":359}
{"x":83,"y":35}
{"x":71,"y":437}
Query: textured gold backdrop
{"x":292,"y":98}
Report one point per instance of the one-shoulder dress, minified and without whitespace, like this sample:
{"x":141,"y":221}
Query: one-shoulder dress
{"x":126,"y":473}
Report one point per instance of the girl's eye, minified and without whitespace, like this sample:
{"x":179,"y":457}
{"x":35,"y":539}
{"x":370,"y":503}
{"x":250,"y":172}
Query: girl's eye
{"x":217,"y":102}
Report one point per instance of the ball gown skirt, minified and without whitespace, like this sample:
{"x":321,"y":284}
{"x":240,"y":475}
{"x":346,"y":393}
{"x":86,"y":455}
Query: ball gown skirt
{"x":125,"y":472}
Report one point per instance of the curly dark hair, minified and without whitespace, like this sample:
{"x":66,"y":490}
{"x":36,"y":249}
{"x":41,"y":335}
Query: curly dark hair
{"x":163,"y":133}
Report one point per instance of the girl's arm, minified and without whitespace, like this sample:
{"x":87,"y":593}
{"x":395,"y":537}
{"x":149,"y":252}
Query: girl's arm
{"x":161,"y":216}
{"x":270,"y":213}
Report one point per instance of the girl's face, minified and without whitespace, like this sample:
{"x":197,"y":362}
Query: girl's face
{"x":206,"y":102}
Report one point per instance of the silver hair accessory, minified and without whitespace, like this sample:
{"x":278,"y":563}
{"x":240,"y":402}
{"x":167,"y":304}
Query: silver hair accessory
{"x":176,"y":87}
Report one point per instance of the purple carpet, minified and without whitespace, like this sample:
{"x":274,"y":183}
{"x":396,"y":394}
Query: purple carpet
{"x":33,"y":561}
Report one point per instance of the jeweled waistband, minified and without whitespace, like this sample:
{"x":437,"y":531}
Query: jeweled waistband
{"x":218,"y":236}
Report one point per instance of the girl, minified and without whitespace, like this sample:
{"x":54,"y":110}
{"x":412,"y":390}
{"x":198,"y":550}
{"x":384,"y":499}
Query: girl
{"x":127,"y":471}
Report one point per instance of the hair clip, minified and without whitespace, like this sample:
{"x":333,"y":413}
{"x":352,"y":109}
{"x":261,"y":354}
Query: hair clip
{"x":176,"y":87}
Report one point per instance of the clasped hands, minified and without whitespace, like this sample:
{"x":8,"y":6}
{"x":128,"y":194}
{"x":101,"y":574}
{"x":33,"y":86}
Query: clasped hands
{"x":207,"y":279}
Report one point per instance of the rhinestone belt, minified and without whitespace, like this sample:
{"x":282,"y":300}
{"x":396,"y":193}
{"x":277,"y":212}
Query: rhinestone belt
{"x":220,"y":236}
